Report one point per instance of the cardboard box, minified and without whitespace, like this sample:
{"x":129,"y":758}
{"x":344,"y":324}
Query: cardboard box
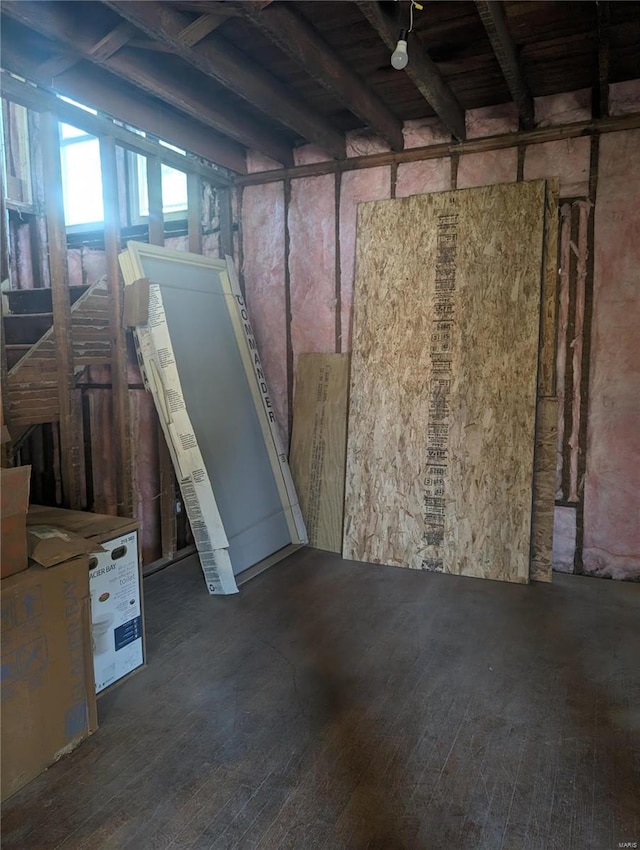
{"x":14,"y":495}
{"x":115,"y":585}
{"x":48,"y":692}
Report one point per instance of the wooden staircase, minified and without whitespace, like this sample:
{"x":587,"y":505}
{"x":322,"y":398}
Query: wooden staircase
{"x":31,"y":384}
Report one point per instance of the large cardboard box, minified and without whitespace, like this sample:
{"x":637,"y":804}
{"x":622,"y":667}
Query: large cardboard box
{"x":48,"y":693}
{"x":14,"y":495}
{"x":115,"y":585}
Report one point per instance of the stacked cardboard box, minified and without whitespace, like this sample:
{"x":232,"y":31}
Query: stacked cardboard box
{"x":115,"y":584}
{"x":72,"y":625}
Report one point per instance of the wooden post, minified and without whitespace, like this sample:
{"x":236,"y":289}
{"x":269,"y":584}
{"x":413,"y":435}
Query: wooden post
{"x":119,"y":378}
{"x":225,"y":217}
{"x":70,"y":433}
{"x":154,"y":189}
{"x":194,"y":213}
{"x":168,"y":528}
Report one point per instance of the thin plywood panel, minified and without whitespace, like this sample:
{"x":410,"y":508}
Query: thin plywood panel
{"x":443,"y":381}
{"x":318,"y":445}
{"x":544,"y":473}
{"x":543,"y":490}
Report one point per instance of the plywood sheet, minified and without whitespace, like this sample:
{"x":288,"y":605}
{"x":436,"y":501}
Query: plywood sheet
{"x":444,"y":381}
{"x":543,"y":490}
{"x":318,"y":445}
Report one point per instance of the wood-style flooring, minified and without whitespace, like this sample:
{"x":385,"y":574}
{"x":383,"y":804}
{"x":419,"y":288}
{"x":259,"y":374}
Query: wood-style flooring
{"x":345,"y":706}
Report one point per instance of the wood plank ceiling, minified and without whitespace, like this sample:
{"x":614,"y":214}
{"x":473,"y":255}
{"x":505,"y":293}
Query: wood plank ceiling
{"x":222,"y":77}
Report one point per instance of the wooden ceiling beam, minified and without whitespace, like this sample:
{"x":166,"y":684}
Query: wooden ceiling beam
{"x":422,"y":70}
{"x":493,"y":17}
{"x":293,"y":34}
{"x":40,"y":100}
{"x":149,"y":44}
{"x":86,"y":84}
{"x":234,"y":70}
{"x":200,"y":28}
{"x":103,"y":49}
{"x":57,"y":64}
{"x":60,"y":25}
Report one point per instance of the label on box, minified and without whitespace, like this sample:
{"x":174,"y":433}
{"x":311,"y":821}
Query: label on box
{"x":116,"y":611}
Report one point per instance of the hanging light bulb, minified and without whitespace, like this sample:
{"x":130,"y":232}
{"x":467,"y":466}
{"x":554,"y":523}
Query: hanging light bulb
{"x":400,"y":57}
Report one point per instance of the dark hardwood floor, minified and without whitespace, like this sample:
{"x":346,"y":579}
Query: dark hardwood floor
{"x":344,"y":706}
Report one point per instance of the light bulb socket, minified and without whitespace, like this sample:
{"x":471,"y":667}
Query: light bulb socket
{"x":404,"y":34}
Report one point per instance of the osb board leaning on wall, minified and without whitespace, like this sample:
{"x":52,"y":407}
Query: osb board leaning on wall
{"x":444,"y":380}
{"x":318,"y":445}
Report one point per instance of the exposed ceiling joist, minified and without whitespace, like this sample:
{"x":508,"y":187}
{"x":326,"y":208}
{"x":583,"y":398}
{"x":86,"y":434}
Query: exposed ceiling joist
{"x":103,"y":49}
{"x":200,"y":28}
{"x":422,"y":70}
{"x":234,"y":70}
{"x":294,"y":35}
{"x":113,"y":41}
{"x":86,"y":84}
{"x":56,"y":65}
{"x":149,"y":44}
{"x":41,"y":101}
{"x":493,"y":17}
{"x":60,"y":25}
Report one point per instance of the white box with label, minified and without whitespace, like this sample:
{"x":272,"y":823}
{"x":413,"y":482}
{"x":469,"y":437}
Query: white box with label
{"x":116,"y":610}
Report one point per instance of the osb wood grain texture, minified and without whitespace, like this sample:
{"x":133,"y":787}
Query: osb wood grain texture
{"x":318,"y":445}
{"x":544,"y":479}
{"x":444,"y":380}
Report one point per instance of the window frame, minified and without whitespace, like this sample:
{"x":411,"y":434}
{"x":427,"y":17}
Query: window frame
{"x":132,"y":179}
{"x":82,"y":138}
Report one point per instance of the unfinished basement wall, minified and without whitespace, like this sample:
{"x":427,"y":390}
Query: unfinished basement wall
{"x":297,"y":257}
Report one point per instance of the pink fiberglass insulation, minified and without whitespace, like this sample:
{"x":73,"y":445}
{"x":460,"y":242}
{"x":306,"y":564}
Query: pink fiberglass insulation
{"x":371,"y":184}
{"x":74,"y":266}
{"x":364,"y":143}
{"x":421,"y":132}
{"x":612,"y":486}
{"x":417,"y":178}
{"x":210,"y":245}
{"x":564,"y":538}
{"x":567,"y":159}
{"x":308,"y":154}
{"x":264,"y":260}
{"x":485,"y":169}
{"x":94,"y":265}
{"x":312,"y":251}
{"x":491,"y":120}
{"x":566,"y":108}
{"x":624,"y":97}
{"x":257,"y":161}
